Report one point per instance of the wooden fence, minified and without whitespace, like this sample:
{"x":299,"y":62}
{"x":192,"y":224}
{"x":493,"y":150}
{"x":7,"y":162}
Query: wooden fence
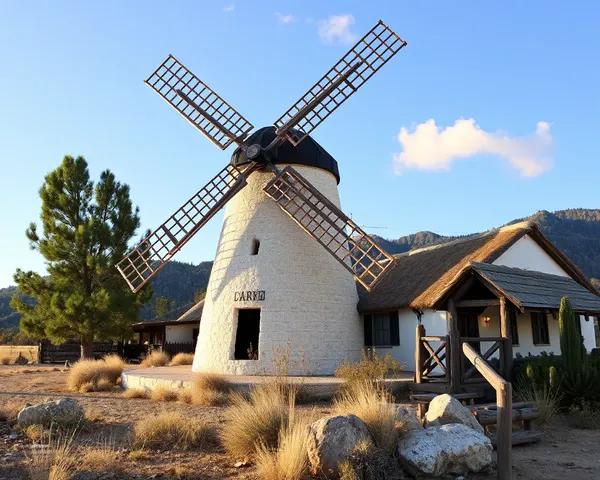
{"x":173,"y":348}
{"x":71,"y":351}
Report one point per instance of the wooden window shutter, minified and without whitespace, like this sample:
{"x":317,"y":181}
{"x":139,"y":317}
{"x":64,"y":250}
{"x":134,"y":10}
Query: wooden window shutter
{"x":368,"y":319}
{"x":394,"y":328}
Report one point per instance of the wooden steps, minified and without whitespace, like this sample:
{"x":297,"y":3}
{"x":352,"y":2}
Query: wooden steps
{"x":428,"y":397}
{"x":493,"y":406}
{"x":489,"y":417}
{"x":520,"y":437}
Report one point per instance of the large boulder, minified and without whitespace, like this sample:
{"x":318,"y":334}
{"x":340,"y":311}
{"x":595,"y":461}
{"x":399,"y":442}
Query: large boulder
{"x":407,"y":417}
{"x":65,"y":411}
{"x":331,"y":441}
{"x":445,"y":409}
{"x":448,"y":449}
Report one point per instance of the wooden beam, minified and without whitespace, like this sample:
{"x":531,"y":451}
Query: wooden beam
{"x":454,"y":342}
{"x":492,"y":302}
{"x":420,"y":332}
{"x":506,"y":356}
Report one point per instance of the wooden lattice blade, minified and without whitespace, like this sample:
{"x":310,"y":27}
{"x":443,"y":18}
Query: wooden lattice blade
{"x":371,"y":52}
{"x":327,"y":224}
{"x":145,"y":260}
{"x":200,"y":105}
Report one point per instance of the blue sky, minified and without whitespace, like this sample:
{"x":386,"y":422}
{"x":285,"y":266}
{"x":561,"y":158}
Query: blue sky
{"x":72,"y":75}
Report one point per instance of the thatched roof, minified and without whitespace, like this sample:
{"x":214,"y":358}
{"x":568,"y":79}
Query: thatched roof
{"x":531,"y":289}
{"x":423,"y":276}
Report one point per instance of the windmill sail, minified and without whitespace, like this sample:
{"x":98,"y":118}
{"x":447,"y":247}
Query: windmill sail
{"x":145,"y":260}
{"x":200,"y":105}
{"x":371,"y":52}
{"x":329,"y":226}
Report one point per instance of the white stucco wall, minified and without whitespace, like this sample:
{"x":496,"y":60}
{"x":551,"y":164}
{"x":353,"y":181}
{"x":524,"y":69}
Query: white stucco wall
{"x":528,"y":255}
{"x":180,"y":333}
{"x":310,"y":299}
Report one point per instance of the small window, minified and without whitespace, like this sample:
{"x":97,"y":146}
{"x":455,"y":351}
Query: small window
{"x":247,"y":334}
{"x":255,"y":246}
{"x":514,"y":330}
{"x":382,"y":330}
{"x":539,"y":325}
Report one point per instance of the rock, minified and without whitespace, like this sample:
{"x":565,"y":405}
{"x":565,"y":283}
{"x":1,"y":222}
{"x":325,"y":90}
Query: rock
{"x":62,"y":412}
{"x":21,"y":360}
{"x":445,"y":409}
{"x":453,"y":448}
{"x":408,"y":418}
{"x":13,"y":436}
{"x":331,"y":440}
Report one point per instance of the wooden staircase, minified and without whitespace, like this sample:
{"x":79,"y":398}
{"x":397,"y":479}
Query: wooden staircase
{"x":523,"y":416}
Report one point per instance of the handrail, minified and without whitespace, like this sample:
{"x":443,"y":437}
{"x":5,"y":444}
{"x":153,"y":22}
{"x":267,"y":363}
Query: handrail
{"x":504,"y":418}
{"x":479,"y":339}
{"x":435,"y":339}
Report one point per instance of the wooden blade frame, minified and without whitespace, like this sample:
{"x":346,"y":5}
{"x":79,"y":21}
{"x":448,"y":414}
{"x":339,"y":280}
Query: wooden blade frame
{"x":327,"y":224}
{"x":200,"y":105}
{"x":145,"y":260}
{"x":362,"y":61}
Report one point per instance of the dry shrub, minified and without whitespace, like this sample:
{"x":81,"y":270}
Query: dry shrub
{"x":183,"y":359}
{"x":545,"y":399}
{"x":368,"y":463}
{"x":173,"y":430}
{"x":164,"y":394}
{"x":10,"y":410}
{"x":93,"y":415}
{"x":585,"y":416}
{"x":155,"y":359}
{"x":139,"y":454}
{"x":290,"y":460}
{"x":208,"y":389}
{"x":57,"y":462}
{"x":256,"y":420}
{"x":371,"y":368}
{"x":95,"y":375}
{"x":100,"y":459}
{"x":35,"y":433}
{"x":374,"y":406}
{"x":5,"y":360}
{"x":135,"y":393}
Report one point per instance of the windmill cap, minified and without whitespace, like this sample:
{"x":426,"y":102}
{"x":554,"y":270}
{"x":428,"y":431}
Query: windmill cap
{"x":308,"y":152}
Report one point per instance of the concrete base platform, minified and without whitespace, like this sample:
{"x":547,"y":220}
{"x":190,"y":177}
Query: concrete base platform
{"x":182,"y":376}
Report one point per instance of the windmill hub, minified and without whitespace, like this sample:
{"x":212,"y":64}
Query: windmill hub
{"x":253,"y":151}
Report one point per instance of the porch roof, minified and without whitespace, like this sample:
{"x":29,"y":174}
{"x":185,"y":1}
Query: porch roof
{"x":532,"y":289}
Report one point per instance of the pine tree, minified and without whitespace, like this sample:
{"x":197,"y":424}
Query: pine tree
{"x":86,"y":231}
{"x":571,"y":342}
{"x":162,"y":306}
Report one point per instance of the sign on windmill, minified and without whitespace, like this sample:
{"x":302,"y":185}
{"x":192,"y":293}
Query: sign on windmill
{"x":259,"y":182}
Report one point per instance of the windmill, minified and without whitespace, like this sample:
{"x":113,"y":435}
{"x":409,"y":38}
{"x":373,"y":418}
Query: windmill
{"x":256,"y":162}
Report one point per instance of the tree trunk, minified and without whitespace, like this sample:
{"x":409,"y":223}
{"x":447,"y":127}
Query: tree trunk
{"x":87,"y":348}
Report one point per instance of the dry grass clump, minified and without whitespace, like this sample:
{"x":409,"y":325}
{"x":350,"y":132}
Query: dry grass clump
{"x":10,"y":410}
{"x":368,"y":463}
{"x":173,"y":430}
{"x":374,"y":406}
{"x":164,"y":394}
{"x":289,"y":461}
{"x":5,"y":360}
{"x":135,"y":393}
{"x":35,"y":433}
{"x":93,"y":415}
{"x":183,"y":359}
{"x":57,"y":462}
{"x":155,"y":359}
{"x":545,"y":399}
{"x":256,"y":420}
{"x":208,"y":389}
{"x":95,"y":375}
{"x":100,"y":459}
{"x":585,"y":416}
{"x":371,"y":368}
{"x":139,"y":454}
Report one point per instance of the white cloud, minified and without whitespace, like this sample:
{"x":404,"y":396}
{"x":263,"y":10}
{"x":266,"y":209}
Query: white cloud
{"x":428,"y":147}
{"x":336,"y":29}
{"x":281,"y":18}
{"x":229,"y":8}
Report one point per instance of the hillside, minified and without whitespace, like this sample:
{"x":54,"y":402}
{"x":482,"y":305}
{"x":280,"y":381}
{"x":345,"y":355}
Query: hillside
{"x":576,"y":232}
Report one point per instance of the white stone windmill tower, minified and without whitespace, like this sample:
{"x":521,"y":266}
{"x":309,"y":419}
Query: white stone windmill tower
{"x":285,"y":269}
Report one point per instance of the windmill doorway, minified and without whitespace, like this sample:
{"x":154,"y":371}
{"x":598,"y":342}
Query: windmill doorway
{"x":247,"y":333}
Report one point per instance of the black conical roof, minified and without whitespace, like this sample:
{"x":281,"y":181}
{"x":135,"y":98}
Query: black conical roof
{"x":308,"y":152}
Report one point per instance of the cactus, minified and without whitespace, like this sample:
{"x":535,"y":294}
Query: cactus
{"x":571,"y":342}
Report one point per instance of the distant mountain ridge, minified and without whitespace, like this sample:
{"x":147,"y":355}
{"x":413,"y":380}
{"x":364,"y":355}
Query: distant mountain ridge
{"x":576,"y":232}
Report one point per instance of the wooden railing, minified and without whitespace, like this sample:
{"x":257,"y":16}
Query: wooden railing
{"x":427,"y":359}
{"x":504,"y":403}
{"x":497,"y":343}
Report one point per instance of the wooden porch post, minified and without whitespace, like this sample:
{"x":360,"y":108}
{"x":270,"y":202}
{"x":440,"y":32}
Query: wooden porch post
{"x":507,"y":351}
{"x":420,"y":332}
{"x":455,"y":350}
